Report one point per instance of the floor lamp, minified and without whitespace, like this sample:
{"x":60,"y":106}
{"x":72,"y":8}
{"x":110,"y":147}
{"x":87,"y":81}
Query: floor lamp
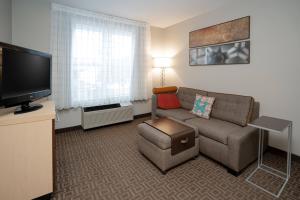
{"x":162,"y":63}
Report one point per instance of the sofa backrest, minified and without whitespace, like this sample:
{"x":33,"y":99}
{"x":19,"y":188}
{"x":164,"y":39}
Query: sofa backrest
{"x":187,"y":96}
{"x":232,"y":108}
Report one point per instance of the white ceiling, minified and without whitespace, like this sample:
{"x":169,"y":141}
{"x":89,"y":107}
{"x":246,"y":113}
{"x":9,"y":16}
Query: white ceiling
{"x":160,"y":13}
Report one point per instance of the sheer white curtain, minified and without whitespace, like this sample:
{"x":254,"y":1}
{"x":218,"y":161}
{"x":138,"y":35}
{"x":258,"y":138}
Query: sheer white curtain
{"x":98,"y":59}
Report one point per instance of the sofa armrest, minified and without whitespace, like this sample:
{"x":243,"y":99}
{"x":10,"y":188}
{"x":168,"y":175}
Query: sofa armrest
{"x":153,"y":106}
{"x":243,"y":147}
{"x":255,"y":111}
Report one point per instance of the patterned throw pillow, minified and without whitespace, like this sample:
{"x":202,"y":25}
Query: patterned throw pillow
{"x":203,"y":106}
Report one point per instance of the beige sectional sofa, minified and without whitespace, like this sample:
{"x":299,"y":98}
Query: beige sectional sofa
{"x":225,"y":137}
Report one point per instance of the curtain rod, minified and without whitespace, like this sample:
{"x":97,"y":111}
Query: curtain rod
{"x":88,"y":13}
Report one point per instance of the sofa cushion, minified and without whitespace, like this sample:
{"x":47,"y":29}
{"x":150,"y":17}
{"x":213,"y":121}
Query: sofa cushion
{"x":215,"y":129}
{"x":187,"y":96}
{"x":232,"y":108}
{"x":180,"y":113}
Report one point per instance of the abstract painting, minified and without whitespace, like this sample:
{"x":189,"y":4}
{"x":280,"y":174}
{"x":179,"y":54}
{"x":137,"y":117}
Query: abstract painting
{"x":238,"y":29}
{"x":232,"y":53}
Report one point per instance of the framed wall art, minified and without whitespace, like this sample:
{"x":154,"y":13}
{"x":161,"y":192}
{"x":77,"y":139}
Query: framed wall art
{"x":224,"y":54}
{"x":235,"y":30}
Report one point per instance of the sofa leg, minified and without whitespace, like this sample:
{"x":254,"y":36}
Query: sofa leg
{"x":232,"y":172}
{"x":163,"y":172}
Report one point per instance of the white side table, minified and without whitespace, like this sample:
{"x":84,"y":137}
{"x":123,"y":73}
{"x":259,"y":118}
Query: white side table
{"x":277,"y":126}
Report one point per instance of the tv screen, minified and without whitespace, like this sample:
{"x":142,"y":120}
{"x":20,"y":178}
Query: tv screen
{"x":25,"y":75}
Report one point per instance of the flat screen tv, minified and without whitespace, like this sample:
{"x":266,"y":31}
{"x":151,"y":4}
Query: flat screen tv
{"x":25,"y":76}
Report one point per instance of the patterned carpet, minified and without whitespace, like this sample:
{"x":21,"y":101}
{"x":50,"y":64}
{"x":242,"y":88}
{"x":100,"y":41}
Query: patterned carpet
{"x":104,"y":163}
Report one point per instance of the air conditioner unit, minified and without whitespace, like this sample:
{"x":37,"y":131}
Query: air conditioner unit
{"x":96,"y":116}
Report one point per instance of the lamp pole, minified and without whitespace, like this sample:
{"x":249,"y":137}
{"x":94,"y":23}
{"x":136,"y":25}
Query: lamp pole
{"x":162,"y":63}
{"x":163,"y":76}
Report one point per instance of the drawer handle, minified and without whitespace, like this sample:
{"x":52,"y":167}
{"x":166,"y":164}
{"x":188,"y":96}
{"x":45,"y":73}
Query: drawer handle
{"x":184,"y":141}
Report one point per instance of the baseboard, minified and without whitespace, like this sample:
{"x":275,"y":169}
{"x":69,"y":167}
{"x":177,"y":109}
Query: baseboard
{"x":142,"y":115}
{"x":295,"y":158}
{"x":73,"y":128}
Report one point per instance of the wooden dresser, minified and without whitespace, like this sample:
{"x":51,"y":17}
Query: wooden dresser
{"x":27,"y":158}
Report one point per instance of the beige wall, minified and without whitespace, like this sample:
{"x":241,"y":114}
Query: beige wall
{"x":5,"y":21}
{"x":157,"y":41}
{"x":157,"y":50}
{"x":273,"y":75}
{"x":31,"y":24}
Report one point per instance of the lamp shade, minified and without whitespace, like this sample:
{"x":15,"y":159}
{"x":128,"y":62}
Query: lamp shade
{"x":162,"y":62}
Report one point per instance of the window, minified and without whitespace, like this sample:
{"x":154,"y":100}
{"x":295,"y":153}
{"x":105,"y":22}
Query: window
{"x":101,"y":67}
{"x":97,"y":58}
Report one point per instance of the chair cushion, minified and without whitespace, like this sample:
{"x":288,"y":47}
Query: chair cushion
{"x":168,"y":101}
{"x":214,"y":129}
{"x":232,"y":108}
{"x":180,"y":114}
{"x":187,"y":96}
{"x":202,"y":106}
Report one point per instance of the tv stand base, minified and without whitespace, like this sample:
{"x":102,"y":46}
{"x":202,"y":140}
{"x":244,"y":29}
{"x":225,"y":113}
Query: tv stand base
{"x":24,"y":108}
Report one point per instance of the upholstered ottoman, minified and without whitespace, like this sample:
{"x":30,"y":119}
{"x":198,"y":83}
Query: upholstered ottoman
{"x":156,"y":146}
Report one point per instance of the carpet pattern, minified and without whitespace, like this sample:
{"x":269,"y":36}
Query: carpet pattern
{"x":105,"y":164}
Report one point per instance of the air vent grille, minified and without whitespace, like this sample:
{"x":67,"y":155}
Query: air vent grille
{"x":92,"y":117}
